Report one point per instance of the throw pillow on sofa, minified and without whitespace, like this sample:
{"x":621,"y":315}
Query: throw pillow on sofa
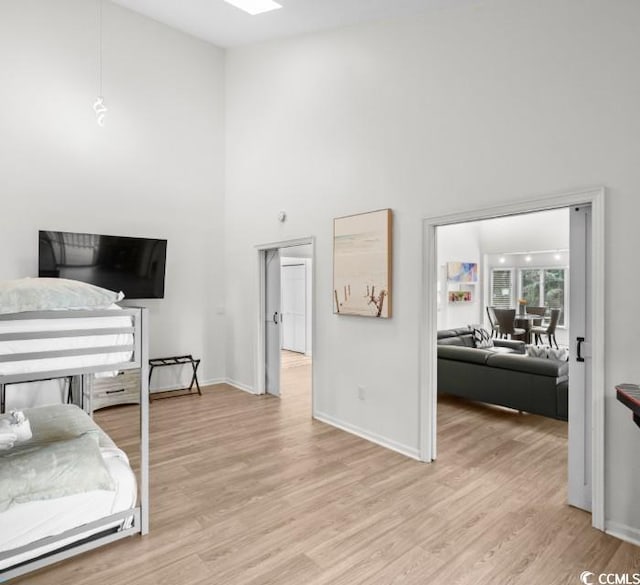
{"x":544,"y":351}
{"x":482,"y":338}
{"x":539,"y":351}
{"x":561,"y":354}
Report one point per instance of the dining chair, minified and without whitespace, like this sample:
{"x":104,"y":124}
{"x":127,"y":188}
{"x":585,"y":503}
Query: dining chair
{"x":506,"y":319}
{"x":542,"y":311}
{"x":493,"y":321}
{"x":549,"y":330}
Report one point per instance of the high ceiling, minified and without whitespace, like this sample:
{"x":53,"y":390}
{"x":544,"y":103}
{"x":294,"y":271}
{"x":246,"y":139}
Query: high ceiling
{"x":224,"y":25}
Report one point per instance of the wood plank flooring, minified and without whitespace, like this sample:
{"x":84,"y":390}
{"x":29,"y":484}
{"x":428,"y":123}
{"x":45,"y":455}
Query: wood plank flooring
{"x":249,"y":490}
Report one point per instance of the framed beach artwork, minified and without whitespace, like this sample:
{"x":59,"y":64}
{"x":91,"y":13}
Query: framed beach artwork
{"x":462,"y":272}
{"x":362,"y":264}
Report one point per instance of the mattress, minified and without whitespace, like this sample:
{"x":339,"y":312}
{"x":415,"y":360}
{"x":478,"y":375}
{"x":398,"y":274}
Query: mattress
{"x":25,"y":523}
{"x":22,"y":346}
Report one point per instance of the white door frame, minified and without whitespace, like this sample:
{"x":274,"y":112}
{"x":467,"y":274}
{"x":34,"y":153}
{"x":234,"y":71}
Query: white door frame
{"x":428,"y":322}
{"x":259,"y":383}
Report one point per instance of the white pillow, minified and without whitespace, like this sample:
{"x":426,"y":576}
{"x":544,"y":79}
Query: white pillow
{"x":544,"y":351}
{"x":539,"y":351}
{"x":46,"y":294}
{"x":561,"y":354}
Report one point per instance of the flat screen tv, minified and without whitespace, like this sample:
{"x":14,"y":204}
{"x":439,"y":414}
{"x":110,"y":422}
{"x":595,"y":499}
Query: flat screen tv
{"x":135,"y":266}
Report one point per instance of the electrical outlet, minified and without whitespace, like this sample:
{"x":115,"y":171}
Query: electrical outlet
{"x":361,"y":392}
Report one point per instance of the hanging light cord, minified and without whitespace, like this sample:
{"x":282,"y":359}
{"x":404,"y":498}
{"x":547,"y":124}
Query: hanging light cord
{"x":99,"y":47}
{"x":98,"y":107}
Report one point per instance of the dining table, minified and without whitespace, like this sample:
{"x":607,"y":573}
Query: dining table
{"x":526,"y":321}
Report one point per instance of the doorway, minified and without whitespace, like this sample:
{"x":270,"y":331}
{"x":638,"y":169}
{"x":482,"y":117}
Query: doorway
{"x":296,"y":300}
{"x":587,"y":467}
{"x":285,"y":366}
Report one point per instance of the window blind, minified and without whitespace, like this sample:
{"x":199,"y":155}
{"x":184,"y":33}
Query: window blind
{"x":501,"y":289}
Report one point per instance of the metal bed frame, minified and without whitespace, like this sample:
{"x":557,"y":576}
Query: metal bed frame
{"x":139,"y":360}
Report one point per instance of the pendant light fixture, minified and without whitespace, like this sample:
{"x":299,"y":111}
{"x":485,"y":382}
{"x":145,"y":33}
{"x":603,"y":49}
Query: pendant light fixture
{"x":98,"y":106}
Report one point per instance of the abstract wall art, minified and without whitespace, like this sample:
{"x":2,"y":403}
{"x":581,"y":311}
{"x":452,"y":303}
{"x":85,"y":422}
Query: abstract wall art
{"x":462,"y":272}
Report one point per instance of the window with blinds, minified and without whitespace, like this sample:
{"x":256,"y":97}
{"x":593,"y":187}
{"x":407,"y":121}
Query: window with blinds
{"x":501,"y":288}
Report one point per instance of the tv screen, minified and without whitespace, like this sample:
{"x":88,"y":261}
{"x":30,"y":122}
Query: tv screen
{"x":135,"y":266}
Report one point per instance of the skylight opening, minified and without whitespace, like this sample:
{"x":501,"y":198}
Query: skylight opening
{"x":254,"y":7}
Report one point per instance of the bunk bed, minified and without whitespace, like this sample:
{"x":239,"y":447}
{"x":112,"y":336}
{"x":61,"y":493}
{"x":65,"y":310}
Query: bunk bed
{"x":74,"y":344}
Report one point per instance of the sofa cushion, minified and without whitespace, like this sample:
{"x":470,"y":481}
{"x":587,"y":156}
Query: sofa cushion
{"x":531,"y":365}
{"x":516,"y":346}
{"x":497,"y":349}
{"x":460,"y":336}
{"x":444,"y":333}
{"x":463,"y":354}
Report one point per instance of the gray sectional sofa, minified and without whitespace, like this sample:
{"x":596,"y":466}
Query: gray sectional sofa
{"x":502,"y":375}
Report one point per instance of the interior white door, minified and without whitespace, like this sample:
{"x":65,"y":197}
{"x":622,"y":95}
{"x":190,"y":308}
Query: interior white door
{"x":273,"y":319}
{"x":294,"y":315}
{"x":580,"y":437}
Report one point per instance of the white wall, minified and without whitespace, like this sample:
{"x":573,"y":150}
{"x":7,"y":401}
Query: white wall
{"x":531,"y":232}
{"x":459,"y":243}
{"x":463,"y":108}
{"x":156,"y":169}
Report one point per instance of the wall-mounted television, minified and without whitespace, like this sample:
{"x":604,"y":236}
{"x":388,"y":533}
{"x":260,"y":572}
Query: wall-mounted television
{"x":135,"y":266}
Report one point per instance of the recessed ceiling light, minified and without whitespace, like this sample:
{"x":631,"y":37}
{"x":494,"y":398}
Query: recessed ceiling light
{"x":502,"y":260}
{"x":527,"y":258}
{"x":254,"y":6}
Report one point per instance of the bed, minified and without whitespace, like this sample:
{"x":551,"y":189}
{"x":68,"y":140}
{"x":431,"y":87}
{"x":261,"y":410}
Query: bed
{"x":76,"y":343}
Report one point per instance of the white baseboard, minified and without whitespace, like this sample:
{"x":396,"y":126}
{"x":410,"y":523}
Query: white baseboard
{"x":623,"y":532}
{"x":180,"y":387}
{"x":203,"y":383}
{"x":239,"y":386}
{"x":369,"y":436}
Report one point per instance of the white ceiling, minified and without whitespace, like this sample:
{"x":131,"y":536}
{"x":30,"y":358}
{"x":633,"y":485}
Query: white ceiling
{"x":224,"y":25}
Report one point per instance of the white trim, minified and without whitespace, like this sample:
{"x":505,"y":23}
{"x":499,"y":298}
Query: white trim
{"x":239,"y":386}
{"x":369,"y":436}
{"x":260,"y":366}
{"x":623,"y":532}
{"x":286,"y":243}
{"x":428,"y":328}
{"x":597,"y":357}
{"x":427,"y":395}
{"x":202,"y":383}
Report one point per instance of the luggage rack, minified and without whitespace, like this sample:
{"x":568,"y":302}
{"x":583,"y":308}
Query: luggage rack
{"x":177,"y":360}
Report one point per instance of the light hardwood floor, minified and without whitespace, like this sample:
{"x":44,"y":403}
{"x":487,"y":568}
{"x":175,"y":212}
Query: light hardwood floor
{"x":249,"y":490}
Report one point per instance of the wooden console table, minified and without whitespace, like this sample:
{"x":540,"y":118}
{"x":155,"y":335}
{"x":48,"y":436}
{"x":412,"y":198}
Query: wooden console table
{"x":177,"y":360}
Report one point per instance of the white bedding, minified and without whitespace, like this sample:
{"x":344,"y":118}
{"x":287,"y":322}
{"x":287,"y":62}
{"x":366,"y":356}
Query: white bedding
{"x":25,"y":523}
{"x":66,"y":363}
